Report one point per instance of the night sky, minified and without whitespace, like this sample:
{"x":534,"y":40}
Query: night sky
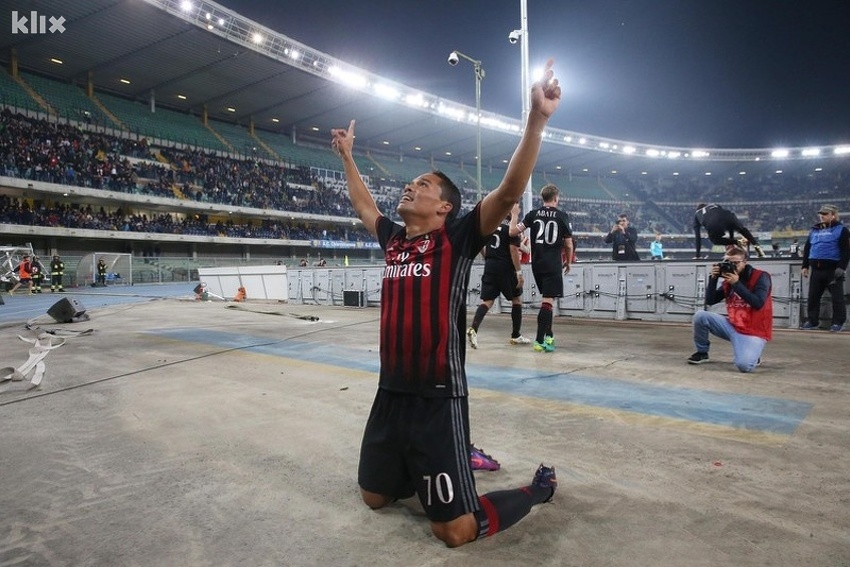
{"x":707,"y":73}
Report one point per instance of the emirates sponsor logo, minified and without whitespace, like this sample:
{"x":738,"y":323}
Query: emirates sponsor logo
{"x":414,"y":270}
{"x":402,"y":267}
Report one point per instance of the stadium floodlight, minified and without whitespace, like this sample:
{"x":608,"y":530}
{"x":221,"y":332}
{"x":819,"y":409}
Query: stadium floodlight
{"x":386,"y":91}
{"x":841,"y":150}
{"x":781,"y":153}
{"x":454,"y":58}
{"x":350,"y":79}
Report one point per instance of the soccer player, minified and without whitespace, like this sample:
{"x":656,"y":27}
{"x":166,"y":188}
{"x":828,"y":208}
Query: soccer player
{"x":551,"y":255}
{"x":502,"y":276}
{"x":416,"y":439}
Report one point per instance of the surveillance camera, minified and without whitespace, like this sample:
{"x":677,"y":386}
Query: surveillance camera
{"x":514,"y":36}
{"x":453,"y":58}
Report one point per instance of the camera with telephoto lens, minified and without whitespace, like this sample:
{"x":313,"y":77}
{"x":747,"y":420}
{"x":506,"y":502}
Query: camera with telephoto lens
{"x":726,"y":267}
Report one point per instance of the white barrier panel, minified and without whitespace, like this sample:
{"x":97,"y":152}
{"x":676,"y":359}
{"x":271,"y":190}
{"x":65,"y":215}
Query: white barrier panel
{"x":260,"y":282}
{"x":651,"y":291}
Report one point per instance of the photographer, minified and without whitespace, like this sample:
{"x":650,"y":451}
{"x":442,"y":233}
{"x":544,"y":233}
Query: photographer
{"x":624,"y":238}
{"x":749,"y":307}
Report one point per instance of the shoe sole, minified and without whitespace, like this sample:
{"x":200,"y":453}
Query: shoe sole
{"x":698,"y":361}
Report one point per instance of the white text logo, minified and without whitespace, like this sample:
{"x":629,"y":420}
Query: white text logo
{"x":35,"y":24}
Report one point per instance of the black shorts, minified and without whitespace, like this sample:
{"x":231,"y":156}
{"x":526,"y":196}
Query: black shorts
{"x":414,"y":444}
{"x":504,"y":282}
{"x":550,"y":284}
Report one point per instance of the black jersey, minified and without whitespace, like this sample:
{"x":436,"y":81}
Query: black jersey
{"x":423,"y":306}
{"x":497,"y":253}
{"x":549,"y":227}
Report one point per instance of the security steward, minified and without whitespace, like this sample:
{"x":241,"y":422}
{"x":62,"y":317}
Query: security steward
{"x":37,"y":275}
{"x":57,"y":270}
{"x":826,"y":255}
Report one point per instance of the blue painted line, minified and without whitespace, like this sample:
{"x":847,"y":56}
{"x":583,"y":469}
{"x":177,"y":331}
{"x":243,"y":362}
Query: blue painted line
{"x":732,"y":410}
{"x":319,"y":353}
{"x":740,"y":411}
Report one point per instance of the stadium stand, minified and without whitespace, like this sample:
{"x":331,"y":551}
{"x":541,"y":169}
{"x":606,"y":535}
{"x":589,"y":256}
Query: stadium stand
{"x":172,"y":156}
{"x":12,"y":95}
{"x":69,"y":101}
{"x":164,"y":124}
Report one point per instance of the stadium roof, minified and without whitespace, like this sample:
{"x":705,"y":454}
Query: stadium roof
{"x":240,"y":71}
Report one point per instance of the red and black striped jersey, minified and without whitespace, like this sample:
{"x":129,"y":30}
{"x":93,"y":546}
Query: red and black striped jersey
{"x":423,"y":306}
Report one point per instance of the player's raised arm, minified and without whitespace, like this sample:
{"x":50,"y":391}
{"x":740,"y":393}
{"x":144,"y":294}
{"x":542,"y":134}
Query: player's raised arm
{"x":342,"y":141}
{"x":545,"y":97}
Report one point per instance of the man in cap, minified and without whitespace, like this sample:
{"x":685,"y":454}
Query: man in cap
{"x":825,"y":258}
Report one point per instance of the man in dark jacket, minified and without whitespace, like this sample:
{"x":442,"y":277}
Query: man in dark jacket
{"x":101,"y":272}
{"x":623,"y":239}
{"x":717,"y":222}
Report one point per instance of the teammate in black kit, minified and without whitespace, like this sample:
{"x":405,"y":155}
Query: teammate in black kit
{"x":417,"y":437}
{"x":502,"y":276}
{"x":717,"y":222}
{"x":551,"y":254}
